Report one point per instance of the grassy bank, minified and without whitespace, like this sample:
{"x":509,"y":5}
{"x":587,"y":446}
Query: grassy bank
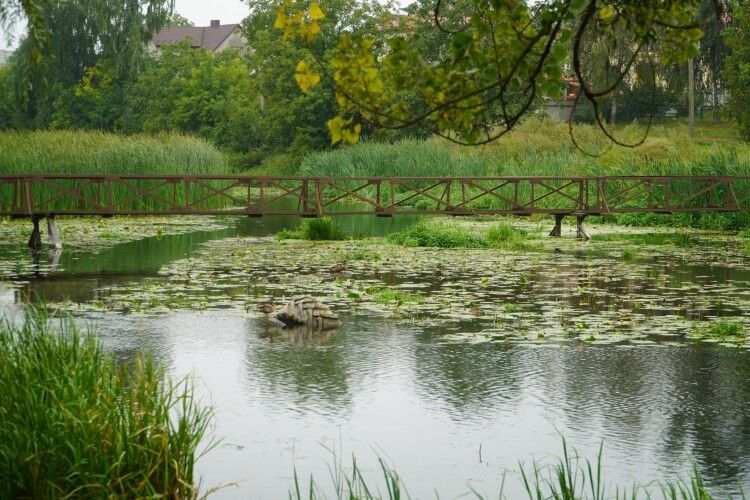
{"x":75,"y":422}
{"x":544,"y":148}
{"x":79,"y":152}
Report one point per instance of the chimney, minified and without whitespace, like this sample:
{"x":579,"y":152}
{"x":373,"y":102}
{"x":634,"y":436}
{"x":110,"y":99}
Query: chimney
{"x":215,"y":23}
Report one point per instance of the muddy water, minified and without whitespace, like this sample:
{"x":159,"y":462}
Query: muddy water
{"x":446,"y":407}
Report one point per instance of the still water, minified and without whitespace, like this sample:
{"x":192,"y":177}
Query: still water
{"x":446,"y":415}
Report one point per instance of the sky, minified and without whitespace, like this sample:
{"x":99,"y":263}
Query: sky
{"x":199,"y":11}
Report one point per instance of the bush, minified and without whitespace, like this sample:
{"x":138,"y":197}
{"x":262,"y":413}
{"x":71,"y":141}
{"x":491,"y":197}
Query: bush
{"x":319,"y":229}
{"x":431,"y":235}
{"x":75,"y":422}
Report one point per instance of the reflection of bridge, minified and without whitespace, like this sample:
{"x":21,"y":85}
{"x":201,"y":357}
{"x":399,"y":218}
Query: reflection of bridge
{"x":40,"y":196}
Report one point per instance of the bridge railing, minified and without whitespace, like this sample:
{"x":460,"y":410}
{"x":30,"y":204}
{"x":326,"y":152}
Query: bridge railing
{"x":26,"y":195}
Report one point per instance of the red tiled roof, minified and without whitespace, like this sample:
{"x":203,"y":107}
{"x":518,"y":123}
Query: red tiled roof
{"x":204,"y":37}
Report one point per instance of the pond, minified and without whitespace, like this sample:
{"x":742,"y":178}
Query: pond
{"x":473,"y":361}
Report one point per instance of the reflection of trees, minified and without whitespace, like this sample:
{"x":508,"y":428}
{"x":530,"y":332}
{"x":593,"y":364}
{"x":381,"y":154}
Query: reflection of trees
{"x":306,"y":368}
{"x":711,"y":408}
{"x":472,"y":379}
{"x":601,"y":388}
{"x":692,"y":400}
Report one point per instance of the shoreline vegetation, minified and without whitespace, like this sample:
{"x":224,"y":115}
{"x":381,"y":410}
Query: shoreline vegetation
{"x":75,"y":421}
{"x":569,"y":477}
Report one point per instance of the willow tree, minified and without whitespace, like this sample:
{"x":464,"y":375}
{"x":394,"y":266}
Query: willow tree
{"x":66,"y":37}
{"x":503,"y":55}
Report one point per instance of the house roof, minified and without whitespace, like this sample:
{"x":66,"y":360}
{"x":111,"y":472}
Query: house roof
{"x":204,"y":37}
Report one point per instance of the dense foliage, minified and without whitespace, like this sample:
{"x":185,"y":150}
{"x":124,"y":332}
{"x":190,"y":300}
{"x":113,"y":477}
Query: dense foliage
{"x":737,"y":68}
{"x":382,"y":72}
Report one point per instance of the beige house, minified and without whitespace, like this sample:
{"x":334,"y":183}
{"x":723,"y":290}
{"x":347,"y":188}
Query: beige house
{"x":213,"y":38}
{"x":562,"y":109}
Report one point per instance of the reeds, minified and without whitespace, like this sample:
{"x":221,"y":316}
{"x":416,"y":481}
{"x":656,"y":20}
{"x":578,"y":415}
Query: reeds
{"x":570,"y":478}
{"x":319,"y":229}
{"x":539,"y":148}
{"x":97,"y":153}
{"x":74,"y":422}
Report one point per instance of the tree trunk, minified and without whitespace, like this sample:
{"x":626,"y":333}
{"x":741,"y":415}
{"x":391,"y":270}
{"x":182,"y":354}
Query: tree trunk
{"x":613,"y":114}
{"x":716,"y":99}
{"x":691,"y":98}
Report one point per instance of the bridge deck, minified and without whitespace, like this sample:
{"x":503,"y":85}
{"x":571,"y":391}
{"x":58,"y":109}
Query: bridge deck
{"x":81,"y":195}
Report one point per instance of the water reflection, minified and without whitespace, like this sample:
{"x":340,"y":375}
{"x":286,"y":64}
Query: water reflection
{"x":435,"y":408}
{"x":302,"y":366}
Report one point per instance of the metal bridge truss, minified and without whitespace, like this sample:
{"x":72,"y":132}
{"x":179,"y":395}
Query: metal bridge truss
{"x":105,"y":195}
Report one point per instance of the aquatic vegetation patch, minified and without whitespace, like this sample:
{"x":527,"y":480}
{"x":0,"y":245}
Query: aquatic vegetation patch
{"x":388,"y":295}
{"x":317,"y":229}
{"x":723,"y":330}
{"x":565,"y":291}
{"x":583,"y":294}
{"x":440,"y":235}
{"x":73,"y":421}
{"x":93,"y":233}
{"x":678,"y":239}
{"x":437,"y":236}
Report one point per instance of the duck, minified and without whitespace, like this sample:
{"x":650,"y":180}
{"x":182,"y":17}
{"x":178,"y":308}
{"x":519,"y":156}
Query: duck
{"x":337,"y":268}
{"x":267,"y":307}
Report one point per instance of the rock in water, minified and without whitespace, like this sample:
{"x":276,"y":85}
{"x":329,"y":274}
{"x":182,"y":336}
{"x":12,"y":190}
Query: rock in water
{"x":308,"y":311}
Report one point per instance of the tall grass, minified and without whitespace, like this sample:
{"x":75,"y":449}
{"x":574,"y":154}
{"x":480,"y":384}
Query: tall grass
{"x":539,"y":148}
{"x":98,"y":153}
{"x":88,"y":152}
{"x":74,"y":422}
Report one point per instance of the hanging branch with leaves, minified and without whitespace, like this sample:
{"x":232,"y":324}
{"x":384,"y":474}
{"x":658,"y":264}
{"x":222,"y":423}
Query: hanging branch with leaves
{"x":504,"y":55}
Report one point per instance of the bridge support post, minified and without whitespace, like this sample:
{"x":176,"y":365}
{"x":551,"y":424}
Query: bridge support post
{"x":580,"y":230}
{"x":35,"y":241}
{"x":53,"y":233}
{"x":557,"y":230}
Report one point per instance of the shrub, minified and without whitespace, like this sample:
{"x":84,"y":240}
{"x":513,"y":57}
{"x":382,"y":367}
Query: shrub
{"x":431,"y":235}
{"x":319,"y":229}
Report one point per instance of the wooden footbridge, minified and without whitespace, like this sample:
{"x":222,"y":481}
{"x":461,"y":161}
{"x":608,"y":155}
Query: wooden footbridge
{"x":40,"y":196}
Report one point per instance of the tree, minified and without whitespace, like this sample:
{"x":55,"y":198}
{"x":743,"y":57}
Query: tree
{"x":737,"y":67}
{"x":77,"y":35}
{"x":177,"y":19}
{"x":713,"y":52}
{"x":197,"y":92}
{"x":37,"y":34}
{"x":503,"y":55}
{"x":294,"y":121}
